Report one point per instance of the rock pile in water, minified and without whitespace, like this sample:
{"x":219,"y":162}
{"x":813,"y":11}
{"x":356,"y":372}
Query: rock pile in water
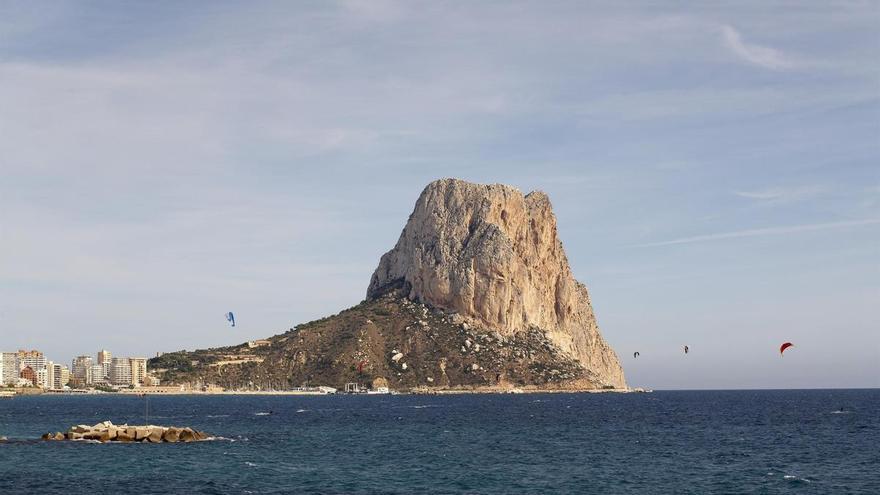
{"x":108,"y":432}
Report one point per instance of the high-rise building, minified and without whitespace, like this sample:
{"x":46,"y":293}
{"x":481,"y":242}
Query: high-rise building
{"x":33,"y":359}
{"x":104,"y":356}
{"x":82,"y":370}
{"x":60,"y":376}
{"x":9,"y":368}
{"x":138,"y":370}
{"x":105,"y":359}
{"x":120,"y":371}
{"x":97,"y":376}
{"x":46,"y":376}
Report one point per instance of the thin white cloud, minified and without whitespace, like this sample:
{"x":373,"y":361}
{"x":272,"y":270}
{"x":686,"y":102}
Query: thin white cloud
{"x":782,"y":194}
{"x":762,"y":56}
{"x":792,"y":229}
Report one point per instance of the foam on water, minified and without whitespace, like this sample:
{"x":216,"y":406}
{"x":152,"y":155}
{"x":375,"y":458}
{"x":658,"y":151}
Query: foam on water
{"x":797,"y":479}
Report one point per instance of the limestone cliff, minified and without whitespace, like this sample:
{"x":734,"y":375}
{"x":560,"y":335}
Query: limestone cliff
{"x":477,"y":295}
{"x":492,"y":255}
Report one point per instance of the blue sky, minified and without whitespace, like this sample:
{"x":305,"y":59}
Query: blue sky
{"x":713,"y":167}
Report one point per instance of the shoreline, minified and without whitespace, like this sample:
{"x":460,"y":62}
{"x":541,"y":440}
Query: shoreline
{"x":515,"y":391}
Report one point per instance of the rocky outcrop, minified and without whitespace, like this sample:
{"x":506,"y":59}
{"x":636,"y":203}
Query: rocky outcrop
{"x":491,"y":255}
{"x":476,"y":295}
{"x":108,"y":432}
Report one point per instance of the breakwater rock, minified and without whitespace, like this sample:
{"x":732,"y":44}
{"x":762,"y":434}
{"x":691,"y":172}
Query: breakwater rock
{"x":108,"y":432}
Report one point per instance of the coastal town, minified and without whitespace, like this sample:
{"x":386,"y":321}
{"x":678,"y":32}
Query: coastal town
{"x":30,"y":371}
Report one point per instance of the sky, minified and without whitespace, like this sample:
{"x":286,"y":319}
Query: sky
{"x":713,"y":167}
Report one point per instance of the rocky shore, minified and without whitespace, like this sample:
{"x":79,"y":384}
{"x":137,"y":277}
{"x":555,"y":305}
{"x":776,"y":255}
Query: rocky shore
{"x":108,"y":432}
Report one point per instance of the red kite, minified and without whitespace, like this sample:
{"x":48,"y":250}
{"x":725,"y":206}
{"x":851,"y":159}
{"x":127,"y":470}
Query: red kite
{"x":785,"y":346}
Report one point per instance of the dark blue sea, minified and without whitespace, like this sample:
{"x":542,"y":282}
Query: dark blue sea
{"x":700,"y":442}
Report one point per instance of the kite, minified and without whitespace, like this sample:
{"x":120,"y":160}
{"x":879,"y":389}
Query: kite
{"x":230,"y":318}
{"x":784,"y":346}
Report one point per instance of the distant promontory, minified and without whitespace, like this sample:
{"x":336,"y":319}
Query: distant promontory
{"x":477,"y":294}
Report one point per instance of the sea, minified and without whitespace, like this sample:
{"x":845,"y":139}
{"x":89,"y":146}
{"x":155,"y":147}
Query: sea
{"x":676,"y":442}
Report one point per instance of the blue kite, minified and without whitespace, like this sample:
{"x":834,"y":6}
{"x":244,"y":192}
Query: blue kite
{"x":230,"y":318}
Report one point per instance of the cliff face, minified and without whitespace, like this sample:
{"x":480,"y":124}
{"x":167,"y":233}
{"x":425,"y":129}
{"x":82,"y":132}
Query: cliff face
{"x":492,"y":255}
{"x":477,"y":295}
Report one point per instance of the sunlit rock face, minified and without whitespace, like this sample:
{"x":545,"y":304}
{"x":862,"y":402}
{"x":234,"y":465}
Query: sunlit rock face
{"x":492,"y":255}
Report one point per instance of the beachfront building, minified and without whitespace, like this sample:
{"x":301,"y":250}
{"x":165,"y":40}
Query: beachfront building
{"x":138,"y":370}
{"x":120,"y":371}
{"x":81,"y":370}
{"x":97,"y":376}
{"x":9,"y":368}
{"x":105,"y":359}
{"x":34,"y":359}
{"x":46,"y":376}
{"x":60,"y":376}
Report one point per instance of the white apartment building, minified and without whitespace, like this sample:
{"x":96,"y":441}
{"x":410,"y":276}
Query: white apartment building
{"x":97,"y":376}
{"x":138,"y":370}
{"x":120,"y":371}
{"x":43,"y":377}
{"x":9,"y":368}
{"x":59,"y":377}
{"x":81,"y":369}
{"x":35,"y":359}
{"x":105,"y":359}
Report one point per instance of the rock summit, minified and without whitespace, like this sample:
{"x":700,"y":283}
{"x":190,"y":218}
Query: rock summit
{"x":492,"y":255}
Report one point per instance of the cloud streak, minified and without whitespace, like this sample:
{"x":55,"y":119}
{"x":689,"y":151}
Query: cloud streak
{"x":781,"y":194}
{"x":792,"y":229}
{"x":769,"y":58}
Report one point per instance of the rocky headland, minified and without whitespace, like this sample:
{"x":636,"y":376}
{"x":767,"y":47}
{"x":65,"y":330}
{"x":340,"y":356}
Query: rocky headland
{"x":477,"y":294}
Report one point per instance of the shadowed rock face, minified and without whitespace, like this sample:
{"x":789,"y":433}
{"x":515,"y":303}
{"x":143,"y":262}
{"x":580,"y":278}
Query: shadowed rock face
{"x":492,"y":255}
